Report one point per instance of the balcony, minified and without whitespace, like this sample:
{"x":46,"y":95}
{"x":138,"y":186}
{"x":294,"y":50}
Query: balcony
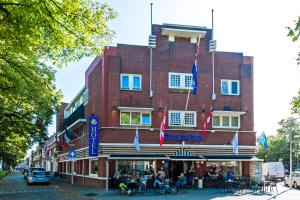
{"x":76,"y":116}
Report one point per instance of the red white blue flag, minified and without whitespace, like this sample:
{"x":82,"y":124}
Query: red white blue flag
{"x":162,"y":128}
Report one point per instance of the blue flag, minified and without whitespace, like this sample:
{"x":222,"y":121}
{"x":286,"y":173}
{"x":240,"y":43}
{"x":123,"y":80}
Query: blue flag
{"x":262,"y":140}
{"x":235,"y":144}
{"x":136,"y":141}
{"x":194,"y":72}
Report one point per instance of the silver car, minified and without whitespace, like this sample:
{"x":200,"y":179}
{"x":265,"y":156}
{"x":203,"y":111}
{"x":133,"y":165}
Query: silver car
{"x":37,"y":177}
{"x":295,"y":180}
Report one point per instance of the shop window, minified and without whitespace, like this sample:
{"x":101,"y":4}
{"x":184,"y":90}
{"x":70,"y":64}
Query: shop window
{"x":180,"y":80}
{"x":131,"y":82}
{"x":230,"y":87}
{"x":94,"y":167}
{"x":134,"y":169}
{"x":182,"y":118}
{"x":215,"y":167}
{"x":135,"y":118}
{"x":225,"y":121}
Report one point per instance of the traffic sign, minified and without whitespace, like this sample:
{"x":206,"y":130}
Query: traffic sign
{"x":72,"y":154}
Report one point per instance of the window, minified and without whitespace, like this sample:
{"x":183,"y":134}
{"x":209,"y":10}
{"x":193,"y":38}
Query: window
{"x":136,"y":168}
{"x":225,"y":121}
{"x":180,"y":80}
{"x":131,"y":82}
{"x":94,"y":167}
{"x":181,"y":118}
{"x":230,"y":87}
{"x":135,"y":118}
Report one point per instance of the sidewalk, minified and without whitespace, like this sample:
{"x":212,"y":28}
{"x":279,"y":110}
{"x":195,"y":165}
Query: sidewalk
{"x":206,"y":193}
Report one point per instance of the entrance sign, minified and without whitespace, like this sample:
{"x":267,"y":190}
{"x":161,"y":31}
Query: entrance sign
{"x":183,"y":137}
{"x":93,"y":136}
{"x":72,"y":154}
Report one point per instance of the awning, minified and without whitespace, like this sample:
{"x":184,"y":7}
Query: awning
{"x":137,"y":157}
{"x":232,"y":158}
{"x":187,"y":158}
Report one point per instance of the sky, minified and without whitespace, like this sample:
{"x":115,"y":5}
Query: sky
{"x":256,"y":28}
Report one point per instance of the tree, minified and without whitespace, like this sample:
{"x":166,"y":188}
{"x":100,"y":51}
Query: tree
{"x":279,"y":148}
{"x":36,"y":36}
{"x":294,"y":33}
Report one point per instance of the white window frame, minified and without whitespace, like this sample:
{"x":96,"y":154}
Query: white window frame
{"x":141,"y":114}
{"x":130,"y":82}
{"x":90,"y":165}
{"x":229,"y":82}
{"x":182,"y":114}
{"x":230,"y":121}
{"x":181,"y":80}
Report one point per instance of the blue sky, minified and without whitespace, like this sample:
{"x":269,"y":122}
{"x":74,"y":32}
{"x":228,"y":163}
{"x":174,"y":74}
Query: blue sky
{"x":256,"y":28}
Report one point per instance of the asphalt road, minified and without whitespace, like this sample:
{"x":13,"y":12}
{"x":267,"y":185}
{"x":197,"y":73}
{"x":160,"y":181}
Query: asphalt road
{"x":14,"y":187}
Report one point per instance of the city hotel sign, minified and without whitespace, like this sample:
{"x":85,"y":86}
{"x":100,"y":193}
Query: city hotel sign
{"x":183,"y":137}
{"x":93,"y":136}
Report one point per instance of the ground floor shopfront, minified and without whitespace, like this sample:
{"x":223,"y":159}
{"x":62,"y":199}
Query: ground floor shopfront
{"x":173,"y":159}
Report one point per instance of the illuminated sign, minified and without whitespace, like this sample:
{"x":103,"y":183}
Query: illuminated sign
{"x":183,"y":137}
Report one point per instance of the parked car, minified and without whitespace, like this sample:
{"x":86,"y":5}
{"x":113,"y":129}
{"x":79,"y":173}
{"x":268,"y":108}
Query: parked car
{"x":30,"y":170}
{"x":295,"y":180}
{"x":37,"y":177}
{"x":273,"y":170}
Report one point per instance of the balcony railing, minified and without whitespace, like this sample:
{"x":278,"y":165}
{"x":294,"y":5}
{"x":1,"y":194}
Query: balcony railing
{"x":77,"y":114}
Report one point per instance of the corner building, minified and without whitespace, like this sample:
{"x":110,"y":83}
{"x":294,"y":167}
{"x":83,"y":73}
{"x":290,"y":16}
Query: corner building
{"x":128,"y":97}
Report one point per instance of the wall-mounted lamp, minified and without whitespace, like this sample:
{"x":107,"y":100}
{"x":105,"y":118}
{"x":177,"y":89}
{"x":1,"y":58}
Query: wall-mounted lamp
{"x":160,"y":109}
{"x":115,"y":107}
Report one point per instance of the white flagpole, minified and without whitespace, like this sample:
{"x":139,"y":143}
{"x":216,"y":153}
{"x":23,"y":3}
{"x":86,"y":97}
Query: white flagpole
{"x":189,"y":91}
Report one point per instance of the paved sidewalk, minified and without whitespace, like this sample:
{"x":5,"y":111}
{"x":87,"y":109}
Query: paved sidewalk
{"x":208,"y":193}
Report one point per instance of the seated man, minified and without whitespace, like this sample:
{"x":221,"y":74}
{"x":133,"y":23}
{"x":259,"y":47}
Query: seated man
{"x":119,"y":182}
{"x":181,"y":182}
{"x":161,"y":185}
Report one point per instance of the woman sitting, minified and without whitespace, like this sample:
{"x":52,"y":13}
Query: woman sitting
{"x":161,"y":185}
{"x":181,"y":182}
{"x":119,"y":182}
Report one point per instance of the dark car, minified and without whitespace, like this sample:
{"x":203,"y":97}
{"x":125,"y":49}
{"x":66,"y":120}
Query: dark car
{"x":37,"y":177}
{"x":30,"y":170}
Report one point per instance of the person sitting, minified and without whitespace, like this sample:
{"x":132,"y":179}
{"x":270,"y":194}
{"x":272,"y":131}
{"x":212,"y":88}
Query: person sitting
{"x":221,"y":174}
{"x":207,"y":176}
{"x":181,"y":182}
{"x":161,"y":184}
{"x":119,"y":182}
{"x":162,"y":172}
{"x":143,"y":183}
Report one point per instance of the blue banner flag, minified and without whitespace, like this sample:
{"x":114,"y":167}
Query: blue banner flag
{"x":235,"y":144}
{"x":194,"y":72}
{"x":93,"y":136}
{"x":136,"y":141}
{"x":262,"y":140}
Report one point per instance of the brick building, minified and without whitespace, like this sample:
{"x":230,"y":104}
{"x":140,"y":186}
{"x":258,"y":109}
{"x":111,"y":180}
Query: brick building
{"x":128,"y":96}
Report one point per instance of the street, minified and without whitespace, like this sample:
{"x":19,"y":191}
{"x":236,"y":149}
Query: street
{"x":14,"y":187}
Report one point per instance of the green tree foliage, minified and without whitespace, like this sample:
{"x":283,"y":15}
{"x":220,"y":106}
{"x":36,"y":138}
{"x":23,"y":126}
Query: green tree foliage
{"x":296,"y":104}
{"x":35,"y":36}
{"x":294,"y":33}
{"x":279,"y":148}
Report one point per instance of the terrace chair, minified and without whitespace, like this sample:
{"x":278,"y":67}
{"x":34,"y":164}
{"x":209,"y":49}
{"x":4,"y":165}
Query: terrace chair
{"x":273,"y":184}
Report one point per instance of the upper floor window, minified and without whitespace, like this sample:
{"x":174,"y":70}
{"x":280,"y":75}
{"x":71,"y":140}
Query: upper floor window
{"x":182,"y":118}
{"x":131,"y":82}
{"x":135,"y":118}
{"x":180,"y":80}
{"x":225,"y":121}
{"x":230,"y":87}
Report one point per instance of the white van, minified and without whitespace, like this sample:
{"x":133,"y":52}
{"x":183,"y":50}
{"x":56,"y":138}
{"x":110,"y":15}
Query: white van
{"x":273,"y":170}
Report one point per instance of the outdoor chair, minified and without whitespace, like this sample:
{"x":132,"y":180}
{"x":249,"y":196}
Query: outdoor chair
{"x":254,"y":185}
{"x":273,"y":184}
